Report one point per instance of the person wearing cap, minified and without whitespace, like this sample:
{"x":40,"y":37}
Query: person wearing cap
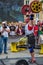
{"x":4,"y":32}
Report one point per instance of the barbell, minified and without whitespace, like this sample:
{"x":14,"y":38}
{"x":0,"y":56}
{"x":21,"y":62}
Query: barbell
{"x":34,"y":7}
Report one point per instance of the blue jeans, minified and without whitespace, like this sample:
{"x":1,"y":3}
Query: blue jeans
{"x":1,"y":44}
{"x":5,"y":43}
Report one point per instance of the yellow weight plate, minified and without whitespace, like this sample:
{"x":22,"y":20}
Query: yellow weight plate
{"x":36,"y":6}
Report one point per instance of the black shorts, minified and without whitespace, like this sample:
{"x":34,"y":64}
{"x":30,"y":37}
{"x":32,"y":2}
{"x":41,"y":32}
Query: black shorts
{"x":31,"y":40}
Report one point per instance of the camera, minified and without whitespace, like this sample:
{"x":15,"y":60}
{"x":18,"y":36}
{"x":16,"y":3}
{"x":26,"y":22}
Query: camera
{"x":5,"y":26}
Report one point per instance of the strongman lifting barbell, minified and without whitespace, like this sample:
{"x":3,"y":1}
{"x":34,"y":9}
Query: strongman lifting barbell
{"x":34,"y":7}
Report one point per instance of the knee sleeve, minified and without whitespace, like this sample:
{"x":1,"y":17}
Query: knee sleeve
{"x":31,"y":50}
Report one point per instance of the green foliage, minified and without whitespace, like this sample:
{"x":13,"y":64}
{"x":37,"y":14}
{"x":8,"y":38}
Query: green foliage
{"x":41,"y":1}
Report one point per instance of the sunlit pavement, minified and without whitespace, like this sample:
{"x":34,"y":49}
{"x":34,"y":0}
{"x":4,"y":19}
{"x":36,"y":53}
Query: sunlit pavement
{"x":12,"y":57}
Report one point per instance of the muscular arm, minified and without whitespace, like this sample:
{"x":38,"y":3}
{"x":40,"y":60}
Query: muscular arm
{"x":7,"y":30}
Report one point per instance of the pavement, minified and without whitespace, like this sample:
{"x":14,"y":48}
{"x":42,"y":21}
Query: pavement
{"x":12,"y":57}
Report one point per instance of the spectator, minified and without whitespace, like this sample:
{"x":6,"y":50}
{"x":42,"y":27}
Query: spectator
{"x":36,"y":34}
{"x":19,"y":30}
{"x":40,"y":40}
{"x":36,"y":30}
{"x":4,"y":31}
{"x":12,"y":29}
{"x":17,"y":25}
{"x":38,"y":24}
{"x":40,"y":30}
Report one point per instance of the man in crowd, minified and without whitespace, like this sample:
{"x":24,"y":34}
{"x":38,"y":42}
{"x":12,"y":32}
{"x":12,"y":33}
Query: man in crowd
{"x":36,"y":33}
{"x":4,"y":32}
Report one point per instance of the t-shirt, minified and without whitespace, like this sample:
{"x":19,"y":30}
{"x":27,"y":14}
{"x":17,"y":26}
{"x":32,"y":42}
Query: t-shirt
{"x":5,"y":33}
{"x":19,"y":31}
{"x":12,"y":30}
{"x":40,"y":32}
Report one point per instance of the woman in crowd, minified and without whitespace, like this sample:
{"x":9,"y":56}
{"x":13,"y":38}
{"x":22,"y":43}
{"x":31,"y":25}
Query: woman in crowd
{"x":12,"y":29}
{"x":19,"y":30}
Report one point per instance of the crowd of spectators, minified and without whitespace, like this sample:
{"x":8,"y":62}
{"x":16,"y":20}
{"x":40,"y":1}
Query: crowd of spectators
{"x":13,"y":29}
{"x":17,"y":29}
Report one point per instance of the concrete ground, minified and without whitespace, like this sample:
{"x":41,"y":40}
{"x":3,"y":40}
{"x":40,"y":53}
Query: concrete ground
{"x":11,"y":58}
